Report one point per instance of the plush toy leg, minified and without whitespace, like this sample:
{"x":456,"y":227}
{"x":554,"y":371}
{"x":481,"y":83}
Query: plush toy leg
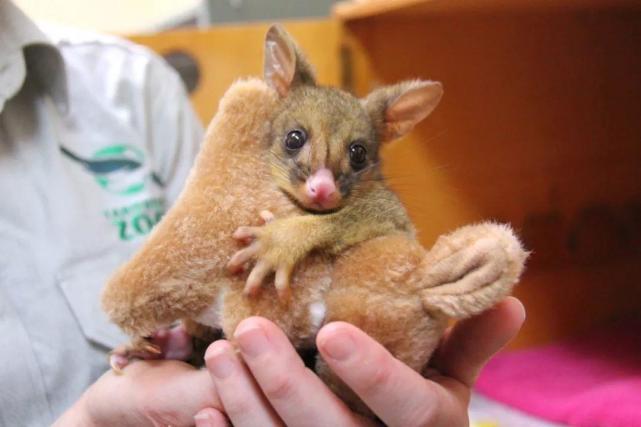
{"x":471,"y":269}
{"x":411,"y":338}
{"x":404,"y":296}
{"x":374,"y":288}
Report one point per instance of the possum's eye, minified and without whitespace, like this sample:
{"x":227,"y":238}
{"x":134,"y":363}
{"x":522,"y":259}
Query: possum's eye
{"x":295,"y":139}
{"x":357,"y":156}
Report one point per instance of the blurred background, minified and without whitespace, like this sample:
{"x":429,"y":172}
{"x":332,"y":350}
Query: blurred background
{"x":540,"y":126}
{"x":145,"y":16}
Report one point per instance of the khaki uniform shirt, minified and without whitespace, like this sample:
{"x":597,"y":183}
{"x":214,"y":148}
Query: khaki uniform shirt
{"x":96,"y":139}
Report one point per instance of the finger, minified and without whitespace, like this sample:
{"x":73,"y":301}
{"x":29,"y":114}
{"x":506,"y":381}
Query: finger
{"x":210,"y":417}
{"x":471,"y":342}
{"x":267,"y":216}
{"x":242,"y":399}
{"x":156,"y":385}
{"x":244,"y":233}
{"x":242,"y":256}
{"x":392,"y":390}
{"x":256,"y":277}
{"x":281,"y":281}
{"x":296,"y":393}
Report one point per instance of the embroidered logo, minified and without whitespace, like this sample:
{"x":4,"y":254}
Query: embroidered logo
{"x":121,"y":170}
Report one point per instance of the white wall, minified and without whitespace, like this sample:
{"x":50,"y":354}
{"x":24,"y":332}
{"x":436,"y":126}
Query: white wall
{"x":116,"y":16}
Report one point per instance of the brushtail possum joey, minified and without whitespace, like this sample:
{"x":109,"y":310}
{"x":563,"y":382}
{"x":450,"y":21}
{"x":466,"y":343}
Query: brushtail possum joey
{"x":324,"y":155}
{"x":305,"y":159}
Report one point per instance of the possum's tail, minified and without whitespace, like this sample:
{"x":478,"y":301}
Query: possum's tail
{"x":471,"y":269}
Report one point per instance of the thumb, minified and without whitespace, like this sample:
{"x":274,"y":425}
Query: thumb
{"x":210,"y":417}
{"x":472,"y":342}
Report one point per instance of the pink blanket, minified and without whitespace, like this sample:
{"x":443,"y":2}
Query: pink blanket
{"x":592,"y":381}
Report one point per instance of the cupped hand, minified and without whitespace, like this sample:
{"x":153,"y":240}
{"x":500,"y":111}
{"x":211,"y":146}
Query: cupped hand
{"x":150,"y":392}
{"x":267,"y":384}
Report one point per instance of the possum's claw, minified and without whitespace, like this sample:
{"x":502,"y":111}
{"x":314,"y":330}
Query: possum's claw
{"x":243,"y":256}
{"x":152,"y":348}
{"x":118,"y":362}
{"x":260,"y":249}
{"x":138,"y":349}
{"x":281,"y":281}
{"x":266,"y":216}
{"x":118,"y":359}
{"x":246,"y":234}
{"x":174,"y":344}
{"x":256,"y":277}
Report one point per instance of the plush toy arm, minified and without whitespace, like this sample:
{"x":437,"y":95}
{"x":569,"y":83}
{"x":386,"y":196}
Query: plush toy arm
{"x":471,"y":269}
{"x":178,"y":272}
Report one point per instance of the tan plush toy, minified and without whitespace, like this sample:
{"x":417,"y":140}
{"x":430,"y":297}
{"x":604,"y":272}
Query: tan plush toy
{"x":305,"y":159}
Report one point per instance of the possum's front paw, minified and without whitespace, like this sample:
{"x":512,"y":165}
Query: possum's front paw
{"x":274,"y":248}
{"x":169,"y":344}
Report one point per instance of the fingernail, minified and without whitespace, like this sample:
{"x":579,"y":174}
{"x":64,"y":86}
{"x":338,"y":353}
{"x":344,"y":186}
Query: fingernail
{"x":221,"y":364}
{"x":203,"y":417}
{"x":252,"y":340}
{"x":204,"y":420}
{"x":339,"y":347}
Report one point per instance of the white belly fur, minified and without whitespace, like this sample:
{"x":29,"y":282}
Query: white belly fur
{"x":317,"y":311}
{"x":211,"y":315}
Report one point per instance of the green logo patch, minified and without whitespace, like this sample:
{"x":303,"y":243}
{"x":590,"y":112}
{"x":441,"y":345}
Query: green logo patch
{"x":136,"y":220}
{"x":121,"y":169}
{"x":114,"y":161}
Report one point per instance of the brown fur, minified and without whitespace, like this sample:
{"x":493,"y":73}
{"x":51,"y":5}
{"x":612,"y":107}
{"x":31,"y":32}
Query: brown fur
{"x":331,"y":122}
{"x":399,"y":293}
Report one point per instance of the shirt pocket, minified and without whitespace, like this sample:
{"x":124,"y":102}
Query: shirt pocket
{"x":82,"y":283}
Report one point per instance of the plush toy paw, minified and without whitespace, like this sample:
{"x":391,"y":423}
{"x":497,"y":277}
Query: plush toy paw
{"x":472,"y":269}
{"x":170,"y":344}
{"x":268,"y":247}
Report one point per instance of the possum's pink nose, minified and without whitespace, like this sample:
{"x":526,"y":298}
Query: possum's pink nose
{"x":321,"y":188}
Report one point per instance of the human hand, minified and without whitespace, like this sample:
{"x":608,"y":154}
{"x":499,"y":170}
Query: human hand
{"x":160,"y":392}
{"x":273,"y":387}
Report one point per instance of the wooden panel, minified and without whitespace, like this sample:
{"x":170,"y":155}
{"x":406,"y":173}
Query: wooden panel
{"x":539,"y":126}
{"x":227,"y":53}
{"x":363,"y":9}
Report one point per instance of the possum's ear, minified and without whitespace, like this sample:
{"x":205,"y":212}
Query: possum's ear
{"x":285,"y":66}
{"x":395,"y":110}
